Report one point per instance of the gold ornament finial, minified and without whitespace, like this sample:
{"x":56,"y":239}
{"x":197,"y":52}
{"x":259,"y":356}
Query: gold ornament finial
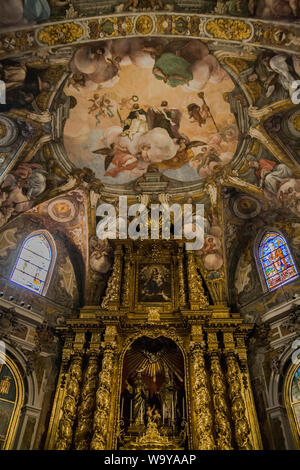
{"x":153,"y":315}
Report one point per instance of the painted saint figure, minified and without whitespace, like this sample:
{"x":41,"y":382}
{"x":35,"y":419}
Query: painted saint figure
{"x":155,"y":286}
{"x":165,"y":118}
{"x":270,"y":174}
{"x":136,"y":122}
{"x":168,"y":398}
{"x":277,"y":258}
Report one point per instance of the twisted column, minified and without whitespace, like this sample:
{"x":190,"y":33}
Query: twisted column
{"x":69,"y":408}
{"x":203,"y":421}
{"x":84,"y":428}
{"x":222,"y":424}
{"x":103,"y":400}
{"x":238,"y":410}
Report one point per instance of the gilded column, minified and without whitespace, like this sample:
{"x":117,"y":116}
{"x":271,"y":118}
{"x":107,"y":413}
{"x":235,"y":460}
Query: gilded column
{"x":238,"y":410}
{"x":112,"y":294}
{"x":197,"y":297}
{"x":203,"y":421}
{"x":247,"y":390}
{"x":217,"y":380}
{"x":221,"y":413}
{"x":84,"y":430}
{"x":126,"y":280}
{"x":182,"y":296}
{"x":69,"y":408}
{"x":103,"y":399}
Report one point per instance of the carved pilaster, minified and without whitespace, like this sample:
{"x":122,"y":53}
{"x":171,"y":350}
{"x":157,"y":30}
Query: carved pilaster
{"x":84,"y":429}
{"x":202,"y":417}
{"x":66,"y":355}
{"x":182,"y":295}
{"x":222,"y":424}
{"x":103,"y":400}
{"x":112,"y":294}
{"x":197,"y":297}
{"x":126,"y":281}
{"x":69,"y":408}
{"x":238,"y":410}
{"x":241,"y":351}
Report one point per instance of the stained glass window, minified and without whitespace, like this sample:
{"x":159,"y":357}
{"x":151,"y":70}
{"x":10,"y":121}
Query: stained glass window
{"x":33,"y":263}
{"x":276,"y":260}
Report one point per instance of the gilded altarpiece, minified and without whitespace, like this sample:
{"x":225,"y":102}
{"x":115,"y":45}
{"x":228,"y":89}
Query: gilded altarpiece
{"x":156,"y":365}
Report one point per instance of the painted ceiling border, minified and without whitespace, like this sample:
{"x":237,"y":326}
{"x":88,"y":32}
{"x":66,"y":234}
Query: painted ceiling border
{"x":248,"y":32}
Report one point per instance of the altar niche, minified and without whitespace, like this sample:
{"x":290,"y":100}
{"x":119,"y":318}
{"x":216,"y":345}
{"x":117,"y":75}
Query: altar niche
{"x":152,"y":401}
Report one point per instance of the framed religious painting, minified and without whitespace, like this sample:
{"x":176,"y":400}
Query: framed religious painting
{"x":154,"y":283}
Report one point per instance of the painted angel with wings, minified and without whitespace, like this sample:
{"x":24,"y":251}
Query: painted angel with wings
{"x":183,"y":155}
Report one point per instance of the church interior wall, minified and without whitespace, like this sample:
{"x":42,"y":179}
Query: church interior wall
{"x":124,"y":343}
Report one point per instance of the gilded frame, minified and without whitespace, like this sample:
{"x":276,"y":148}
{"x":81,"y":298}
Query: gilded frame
{"x":161,"y":330}
{"x":144,"y":306}
{"x":12,"y":427}
{"x":295,"y":426}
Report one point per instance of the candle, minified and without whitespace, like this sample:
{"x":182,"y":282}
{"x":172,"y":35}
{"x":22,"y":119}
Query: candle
{"x":142,"y":414}
{"x":183,"y":408}
{"x":172,"y":410}
{"x":130,"y":410}
{"x":163,"y":413}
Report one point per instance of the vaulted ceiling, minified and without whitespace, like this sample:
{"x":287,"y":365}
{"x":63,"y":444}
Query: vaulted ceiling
{"x":190,"y":101}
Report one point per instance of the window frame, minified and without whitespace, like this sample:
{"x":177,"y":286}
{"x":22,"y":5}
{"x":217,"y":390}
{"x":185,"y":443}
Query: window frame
{"x":257,"y":247}
{"x":51,"y":242}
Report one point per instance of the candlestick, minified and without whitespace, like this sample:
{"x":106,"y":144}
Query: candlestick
{"x":130,"y":410}
{"x":163,"y":413}
{"x":172,"y":410}
{"x":183,"y":408}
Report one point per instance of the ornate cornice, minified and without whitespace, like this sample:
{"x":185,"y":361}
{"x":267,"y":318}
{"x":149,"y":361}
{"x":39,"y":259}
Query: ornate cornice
{"x":250,"y":32}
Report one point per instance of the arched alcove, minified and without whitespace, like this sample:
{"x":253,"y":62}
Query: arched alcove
{"x":11,"y":399}
{"x":153,"y":390}
{"x":292,"y":400}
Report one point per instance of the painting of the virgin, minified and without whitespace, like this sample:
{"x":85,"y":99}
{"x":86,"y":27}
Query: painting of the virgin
{"x":154,"y":283}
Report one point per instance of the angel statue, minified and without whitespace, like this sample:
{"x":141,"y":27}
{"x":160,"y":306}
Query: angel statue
{"x":153,"y":416}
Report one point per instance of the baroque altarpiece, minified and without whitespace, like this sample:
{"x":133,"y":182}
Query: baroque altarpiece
{"x":157,"y":366}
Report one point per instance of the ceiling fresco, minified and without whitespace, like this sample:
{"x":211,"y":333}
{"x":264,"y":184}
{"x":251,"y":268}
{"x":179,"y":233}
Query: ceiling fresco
{"x":161,"y":106}
{"x":143,"y":103}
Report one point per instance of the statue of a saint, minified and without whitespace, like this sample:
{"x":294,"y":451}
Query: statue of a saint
{"x":140,"y":396}
{"x":168,"y":397}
